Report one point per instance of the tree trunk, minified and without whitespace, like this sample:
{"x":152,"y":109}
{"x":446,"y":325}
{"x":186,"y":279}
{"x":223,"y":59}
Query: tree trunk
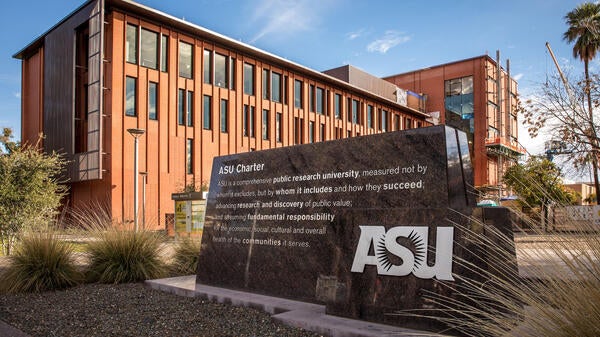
{"x":594,"y":140}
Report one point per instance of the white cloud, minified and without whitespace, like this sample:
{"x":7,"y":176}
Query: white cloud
{"x":355,"y":34}
{"x":518,"y":76}
{"x":286,"y":16}
{"x":389,"y":40}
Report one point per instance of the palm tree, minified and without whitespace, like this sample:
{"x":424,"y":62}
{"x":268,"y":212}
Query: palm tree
{"x":584,"y":30}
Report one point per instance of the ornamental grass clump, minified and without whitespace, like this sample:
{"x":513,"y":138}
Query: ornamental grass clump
{"x":554,"y":292}
{"x":185,"y":257}
{"x":41,"y":262}
{"x":121,"y":256}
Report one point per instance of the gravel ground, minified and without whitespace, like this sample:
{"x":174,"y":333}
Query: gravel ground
{"x":133,"y":310}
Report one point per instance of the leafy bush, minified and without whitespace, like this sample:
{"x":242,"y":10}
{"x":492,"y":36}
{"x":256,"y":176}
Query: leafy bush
{"x":185,"y":257}
{"x":40,"y":262}
{"x":120,"y":256}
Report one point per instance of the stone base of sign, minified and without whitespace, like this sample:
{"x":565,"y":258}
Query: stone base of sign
{"x":308,"y":316}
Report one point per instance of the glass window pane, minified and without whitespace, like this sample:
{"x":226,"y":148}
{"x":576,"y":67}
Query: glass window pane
{"x":252,"y":121}
{"x":130,"y":96}
{"x":149,"y":49}
{"x":152,"y":100}
{"x":248,"y":79}
{"x":467,"y":85}
{"x":231,"y":74}
{"x":265,"y":124}
{"x":180,"y":106}
{"x":338,"y":105}
{"x":245,"y":117}
{"x":221,"y":71}
{"x":298,"y":94}
{"x":223,"y":115}
{"x":190,"y":108}
{"x":189,"y":150}
{"x":370,"y":116}
{"x":207,"y":66}
{"x":185,"y":60}
{"x":206,"y":120}
{"x":354,"y":111}
{"x":265,"y":84}
{"x":276,"y":87}
{"x":319,"y":94}
{"x":131,"y":44}
{"x":311,"y":98}
{"x":164,"y":52}
{"x":278,"y":126}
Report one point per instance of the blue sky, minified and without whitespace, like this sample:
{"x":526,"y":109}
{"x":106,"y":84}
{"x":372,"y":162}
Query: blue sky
{"x":380,"y":37}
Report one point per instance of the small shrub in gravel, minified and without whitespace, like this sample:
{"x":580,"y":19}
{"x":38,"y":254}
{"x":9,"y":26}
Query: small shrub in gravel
{"x":120,"y":256}
{"x":185,"y":257}
{"x":41,"y":262}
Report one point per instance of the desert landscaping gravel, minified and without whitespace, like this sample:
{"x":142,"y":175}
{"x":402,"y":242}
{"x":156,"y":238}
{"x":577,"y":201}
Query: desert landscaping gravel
{"x":134,"y":310}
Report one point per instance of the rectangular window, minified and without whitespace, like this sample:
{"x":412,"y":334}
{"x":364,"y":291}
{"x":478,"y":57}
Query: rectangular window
{"x":322,"y":132}
{"x":130,"y":96}
{"x":231,"y":73}
{"x":278,"y":119}
{"x":409,"y":123}
{"x":224,"y":116}
{"x":189,"y":151}
{"x":397,"y":120}
{"x":245,"y":117}
{"x":248,"y":121}
{"x":185,"y":60}
{"x":164,"y":52}
{"x":337,"y":105}
{"x":265,"y":84}
{"x":131,"y":44}
{"x":206,"y":119}
{"x":149,"y":54}
{"x":296,"y":130}
{"x":181,"y":107}
{"x":265,"y":124}
{"x":384,"y":120}
{"x":152,"y":100}
{"x":298,"y":94}
{"x":221,"y":71}
{"x":311,"y":132}
{"x":190,"y":108}
{"x":248,"y":79}
{"x":349,"y":109}
{"x":319,"y":94}
{"x":355,"y":111}
{"x":207,"y":72}
{"x":369,"y":116}
{"x":252,"y":121}
{"x":276,"y":87}
{"x":311,"y":97}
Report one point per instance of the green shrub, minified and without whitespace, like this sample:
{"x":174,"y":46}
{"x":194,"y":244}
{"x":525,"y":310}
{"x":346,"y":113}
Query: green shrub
{"x":121,"y":256}
{"x":185,"y":257}
{"x":40,"y":262}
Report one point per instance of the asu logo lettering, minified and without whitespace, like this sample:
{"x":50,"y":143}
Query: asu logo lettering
{"x":413,"y":261}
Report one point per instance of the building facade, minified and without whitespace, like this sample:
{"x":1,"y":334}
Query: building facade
{"x":478,"y":96}
{"x":114,"y":65}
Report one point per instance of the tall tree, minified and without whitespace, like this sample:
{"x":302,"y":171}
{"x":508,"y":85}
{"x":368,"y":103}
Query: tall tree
{"x":584,"y":30}
{"x":538,"y":183}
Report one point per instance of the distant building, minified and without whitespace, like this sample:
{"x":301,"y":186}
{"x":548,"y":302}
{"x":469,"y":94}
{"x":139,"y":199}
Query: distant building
{"x":477,"y":96}
{"x":584,"y":191}
{"x":113,"y":65}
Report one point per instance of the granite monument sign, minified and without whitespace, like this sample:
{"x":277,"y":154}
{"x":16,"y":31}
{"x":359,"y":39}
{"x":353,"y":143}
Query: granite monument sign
{"x":365,"y":224}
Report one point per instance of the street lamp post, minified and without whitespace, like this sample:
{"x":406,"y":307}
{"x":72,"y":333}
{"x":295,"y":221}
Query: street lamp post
{"x":144,"y":177}
{"x":136,"y":133}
